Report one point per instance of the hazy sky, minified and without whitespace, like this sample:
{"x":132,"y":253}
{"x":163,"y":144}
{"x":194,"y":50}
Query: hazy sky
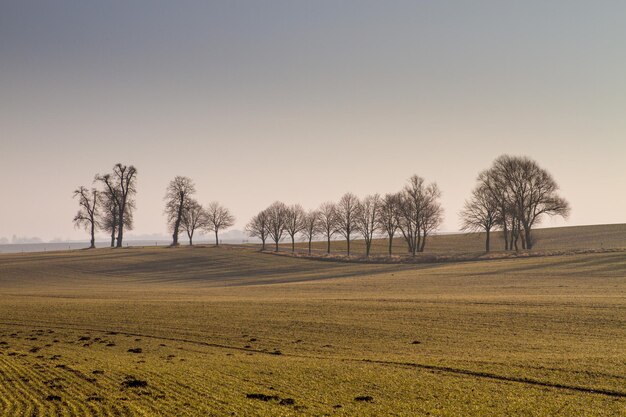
{"x":304,"y":100}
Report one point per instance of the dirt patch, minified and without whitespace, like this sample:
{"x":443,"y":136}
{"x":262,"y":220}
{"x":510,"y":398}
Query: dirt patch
{"x":364,"y":398}
{"x":53,"y":398}
{"x":132,"y":382}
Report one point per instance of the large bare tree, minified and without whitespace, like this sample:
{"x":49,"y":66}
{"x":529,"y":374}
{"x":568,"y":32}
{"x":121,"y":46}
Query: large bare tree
{"x":389,"y":216}
{"x":310,"y":226}
{"x":366,"y":219}
{"x":346,"y":217}
{"x":277,"y":221}
{"x":177,"y":199}
{"x":194,"y":217}
{"x":121,"y":185}
{"x":109,"y":213}
{"x":532,"y":193}
{"x":328,"y":222}
{"x":294,"y":217}
{"x":87,"y":216}
{"x":258,"y":226}
{"x":219,"y":218}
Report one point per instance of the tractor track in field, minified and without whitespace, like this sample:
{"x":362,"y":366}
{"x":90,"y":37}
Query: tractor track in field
{"x":436,"y":368}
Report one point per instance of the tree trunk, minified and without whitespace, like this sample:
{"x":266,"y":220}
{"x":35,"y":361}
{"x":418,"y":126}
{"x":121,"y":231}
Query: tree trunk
{"x":276,"y":241}
{"x":505,"y":231}
{"x":93,"y":235}
{"x":390,"y":243}
{"x":120,"y":233}
{"x":217,"y":242}
{"x":263,"y":247}
{"x":120,"y":225}
{"x":368,"y":244}
{"x":190,"y":239}
{"x":348,"y":241}
{"x":419,"y":241}
{"x":310,"y":245}
{"x":293,"y":244}
{"x":423,"y":243}
{"x":487,"y":240}
{"x":528,"y":238}
{"x":177,"y":223}
{"x":328,"y":245}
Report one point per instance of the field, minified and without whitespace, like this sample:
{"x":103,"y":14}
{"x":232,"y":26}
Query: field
{"x":231,"y":331}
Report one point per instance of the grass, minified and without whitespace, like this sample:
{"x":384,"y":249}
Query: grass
{"x":230,"y":331}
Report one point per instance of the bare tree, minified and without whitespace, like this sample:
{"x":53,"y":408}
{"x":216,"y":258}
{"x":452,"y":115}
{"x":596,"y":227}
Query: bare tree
{"x":310,"y":226}
{"x":219,"y":218}
{"x":411,"y":204}
{"x":496,"y":190}
{"x":420,"y":212}
{"x":294,"y":217}
{"x":346,"y":216}
{"x":480,"y":213}
{"x":367,"y":219}
{"x":258,"y":226}
{"x":177,"y":199}
{"x":122,"y":187}
{"x":108,"y":215}
{"x":87,"y":216}
{"x":328,"y":222}
{"x":277,"y":221}
{"x":388,"y":216}
{"x":532,"y":193}
{"x":194,"y":217}
{"x":432,"y":213}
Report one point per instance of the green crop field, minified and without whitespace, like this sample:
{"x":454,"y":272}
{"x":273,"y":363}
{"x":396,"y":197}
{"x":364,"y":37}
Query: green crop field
{"x":201,"y":331}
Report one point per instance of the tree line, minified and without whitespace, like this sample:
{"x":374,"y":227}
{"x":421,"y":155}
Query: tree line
{"x":414,"y":213}
{"x":109,"y":206}
{"x":511,"y":196}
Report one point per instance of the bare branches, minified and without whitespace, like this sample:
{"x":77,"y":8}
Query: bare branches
{"x":277,"y":221}
{"x":389,"y":216}
{"x":294,"y":218}
{"x":121,"y":187}
{"x":481,"y":213}
{"x":87,"y":215}
{"x":514,"y":194}
{"x":177,"y":201}
{"x":328,"y":222}
{"x":218,"y":218}
{"x":420,"y":212}
{"x":258,"y":226}
{"x":346,"y":211}
{"x":311,"y":226}
{"x":366,"y":219}
{"x":193,"y":217}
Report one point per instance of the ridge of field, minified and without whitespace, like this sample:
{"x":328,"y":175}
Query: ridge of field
{"x":232,"y":331}
{"x":607,"y":236}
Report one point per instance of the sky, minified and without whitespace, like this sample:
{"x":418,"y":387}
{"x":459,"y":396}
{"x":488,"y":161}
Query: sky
{"x":302,"y":101}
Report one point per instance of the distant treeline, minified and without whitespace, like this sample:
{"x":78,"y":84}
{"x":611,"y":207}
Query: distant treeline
{"x":512,"y":196}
